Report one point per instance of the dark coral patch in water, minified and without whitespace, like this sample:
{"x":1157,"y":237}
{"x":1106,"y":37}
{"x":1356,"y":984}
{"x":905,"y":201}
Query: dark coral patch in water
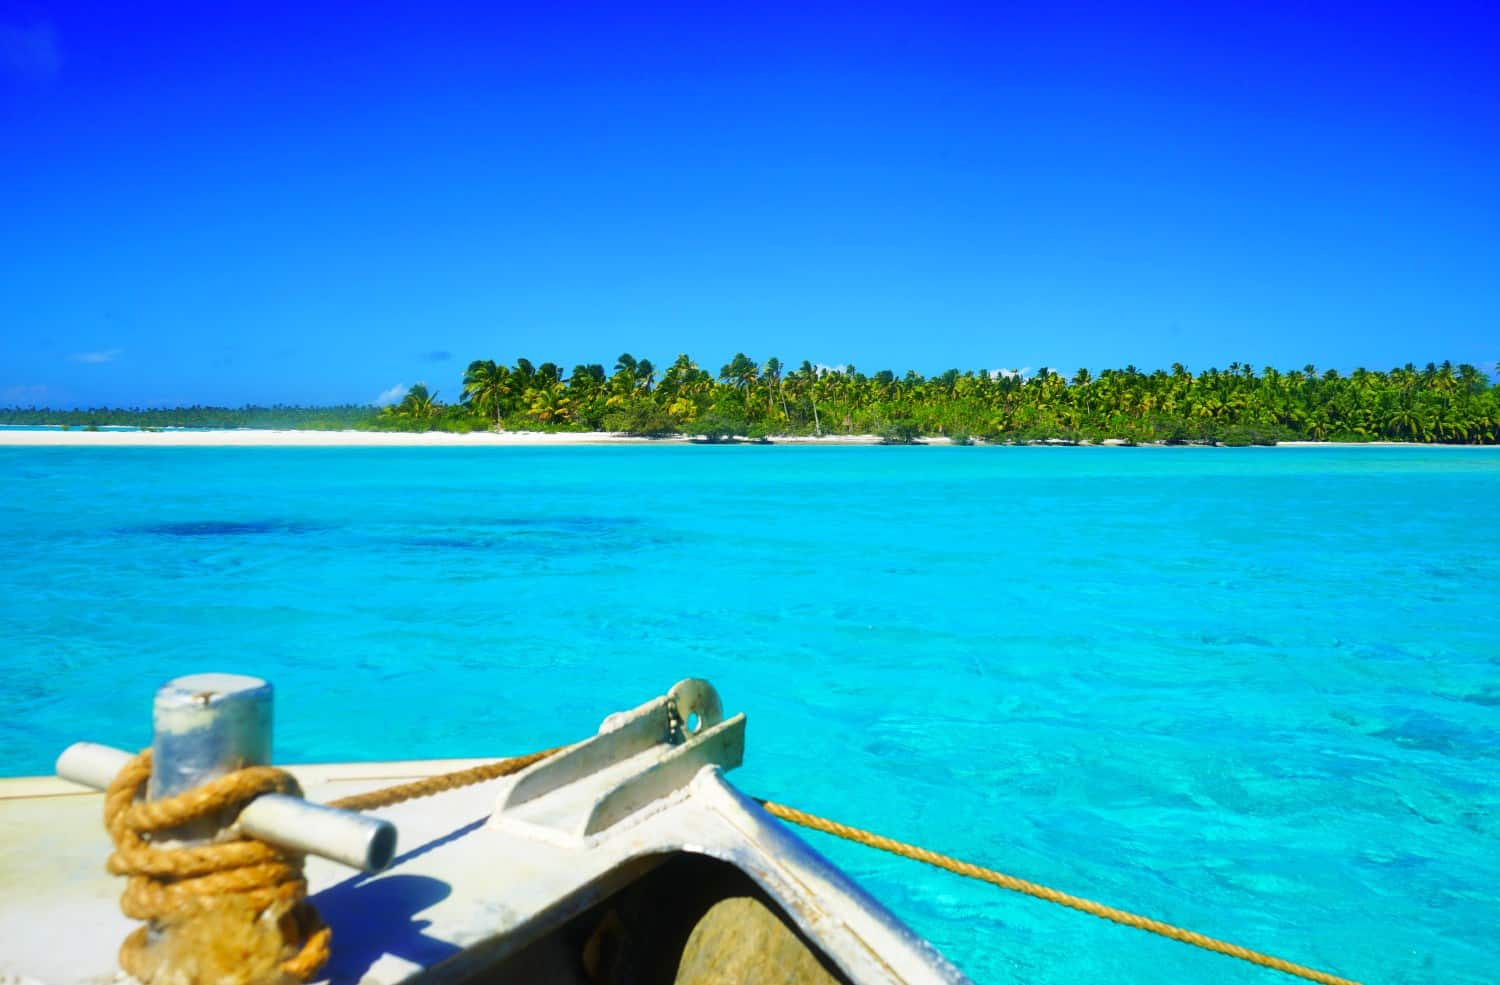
{"x":225,"y":528}
{"x":539,"y":537}
{"x":580,"y":523}
{"x":1430,"y":733}
{"x":452,"y":543}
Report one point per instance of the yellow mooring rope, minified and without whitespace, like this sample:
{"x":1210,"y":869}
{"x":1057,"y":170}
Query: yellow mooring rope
{"x":232,"y":900}
{"x":430,"y":785}
{"x":235,"y":909}
{"x":1041,"y":892}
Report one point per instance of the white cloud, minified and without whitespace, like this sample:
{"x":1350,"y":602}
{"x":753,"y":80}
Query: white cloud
{"x":823,"y":369}
{"x":391,"y":395}
{"x":94,"y":358}
{"x":1010,"y":374}
{"x":30,"y":51}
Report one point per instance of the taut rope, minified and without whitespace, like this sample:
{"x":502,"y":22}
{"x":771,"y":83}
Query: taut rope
{"x":429,"y":785}
{"x":972,"y":871}
{"x":198,"y":891}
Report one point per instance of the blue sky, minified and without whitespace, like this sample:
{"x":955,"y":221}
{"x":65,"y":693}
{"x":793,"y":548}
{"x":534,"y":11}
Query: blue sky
{"x":226,"y":203}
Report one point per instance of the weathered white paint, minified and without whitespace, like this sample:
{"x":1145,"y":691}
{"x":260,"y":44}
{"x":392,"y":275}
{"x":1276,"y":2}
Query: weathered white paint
{"x":488,"y":868}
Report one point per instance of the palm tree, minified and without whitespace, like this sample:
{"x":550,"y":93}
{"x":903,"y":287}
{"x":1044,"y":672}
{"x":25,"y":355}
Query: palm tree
{"x":586,"y":378}
{"x":419,"y":403}
{"x":740,"y":373}
{"x":771,"y":373}
{"x":551,"y":404}
{"x":1406,"y":420}
{"x":487,"y":385}
{"x":1441,"y":402}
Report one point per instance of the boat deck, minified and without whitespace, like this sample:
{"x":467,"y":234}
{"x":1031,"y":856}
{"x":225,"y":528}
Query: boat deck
{"x":470,"y":888}
{"x":53,"y":846}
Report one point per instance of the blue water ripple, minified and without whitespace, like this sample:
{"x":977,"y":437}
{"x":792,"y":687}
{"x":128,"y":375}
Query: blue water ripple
{"x":1249,"y":691}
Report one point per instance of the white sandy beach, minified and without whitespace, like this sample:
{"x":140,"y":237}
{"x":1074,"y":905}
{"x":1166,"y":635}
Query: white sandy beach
{"x":259,"y":438}
{"x":256,"y":438}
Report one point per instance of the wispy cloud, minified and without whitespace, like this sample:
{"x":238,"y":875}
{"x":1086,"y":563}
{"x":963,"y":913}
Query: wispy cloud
{"x":437,"y":356}
{"x":30,"y":51}
{"x":23,"y":395}
{"x":391,"y":396}
{"x":94,"y":358}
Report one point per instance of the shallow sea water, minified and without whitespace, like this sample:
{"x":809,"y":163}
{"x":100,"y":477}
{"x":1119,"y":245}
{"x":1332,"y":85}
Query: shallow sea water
{"x":1255,"y":692}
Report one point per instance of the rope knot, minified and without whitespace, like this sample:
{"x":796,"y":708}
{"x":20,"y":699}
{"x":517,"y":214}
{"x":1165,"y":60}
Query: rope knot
{"x":229,"y":912}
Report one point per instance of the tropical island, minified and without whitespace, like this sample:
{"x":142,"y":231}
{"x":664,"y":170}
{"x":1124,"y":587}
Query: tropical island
{"x":754,"y":401}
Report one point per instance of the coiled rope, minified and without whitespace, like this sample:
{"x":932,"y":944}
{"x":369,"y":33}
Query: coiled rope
{"x":232,"y":911}
{"x":206,"y":894}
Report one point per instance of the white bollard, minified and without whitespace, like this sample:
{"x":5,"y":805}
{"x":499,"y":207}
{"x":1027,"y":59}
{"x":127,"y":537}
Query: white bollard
{"x":208,"y":725}
{"x":205,"y":726}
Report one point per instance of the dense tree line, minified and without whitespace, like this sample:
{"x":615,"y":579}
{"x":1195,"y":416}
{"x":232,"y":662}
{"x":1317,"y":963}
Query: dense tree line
{"x":746,"y":398}
{"x":315,"y":418}
{"x":1238,"y":405}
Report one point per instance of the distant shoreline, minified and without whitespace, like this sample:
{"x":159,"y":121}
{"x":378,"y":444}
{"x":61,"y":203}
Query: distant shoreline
{"x":256,"y":438}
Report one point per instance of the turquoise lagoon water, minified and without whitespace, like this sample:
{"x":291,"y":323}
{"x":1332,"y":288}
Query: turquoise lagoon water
{"x":1255,"y":692}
